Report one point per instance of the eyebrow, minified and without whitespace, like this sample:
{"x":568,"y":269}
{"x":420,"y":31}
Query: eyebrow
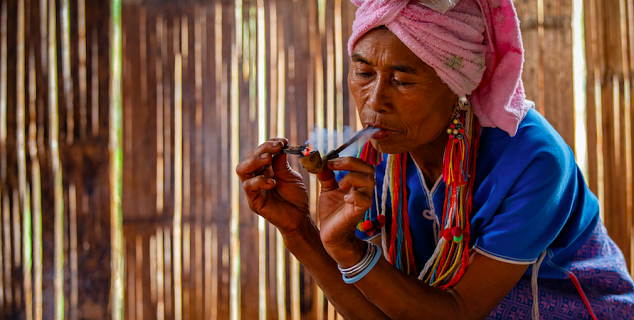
{"x":402,"y":67}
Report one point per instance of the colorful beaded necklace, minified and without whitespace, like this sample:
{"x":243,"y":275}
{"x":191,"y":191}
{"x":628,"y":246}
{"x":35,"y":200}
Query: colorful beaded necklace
{"x":451,"y":256}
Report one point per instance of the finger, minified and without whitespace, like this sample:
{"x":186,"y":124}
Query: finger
{"x":327,"y":180}
{"x":362,"y":182}
{"x":270,"y":146}
{"x":253,"y":166}
{"x":358,"y":199}
{"x":351,"y":164}
{"x":359,"y":203}
{"x":280,"y":166}
{"x":259,"y":159}
{"x":253,"y":189}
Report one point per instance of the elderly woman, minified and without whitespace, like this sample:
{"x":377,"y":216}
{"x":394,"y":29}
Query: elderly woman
{"x":466,"y":204}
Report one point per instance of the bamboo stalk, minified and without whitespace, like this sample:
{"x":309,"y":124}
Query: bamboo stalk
{"x":160,"y":156}
{"x":178,"y":185}
{"x":211,"y":273}
{"x":262,"y":137}
{"x":17,"y":243}
{"x":167,"y":115}
{"x":28,"y":256}
{"x":235,"y":156}
{"x":187,"y":258}
{"x":319,"y":78}
{"x":273,"y":57}
{"x":3,"y":306}
{"x":186,"y":119}
{"x":139,"y":279}
{"x":331,"y":311}
{"x":330,"y":88}
{"x":250,"y":59}
{"x":36,"y":192}
{"x":200,"y":21}
{"x":628,"y":129}
{"x":74,"y":285}
{"x":160,"y":307}
{"x":24,"y":199}
{"x":280,"y":249}
{"x":131,"y":289}
{"x":221,"y":98}
{"x":184,"y":45}
{"x":625,"y":136}
{"x":540,"y":41}
{"x":143,"y":55}
{"x":153,"y":270}
{"x":55,"y":163}
{"x":314,"y":103}
{"x":83,"y":81}
{"x":295,"y":290}
{"x":94,"y":104}
{"x":200,"y":273}
{"x":43,"y":40}
{"x":6,"y":232}
{"x":66,"y":70}
{"x":339,"y":73}
{"x":281,"y":83}
{"x":167,"y":257}
{"x":3,"y":95}
{"x":118,"y":262}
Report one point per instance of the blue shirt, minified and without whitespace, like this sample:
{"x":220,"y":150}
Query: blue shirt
{"x":529,"y":196}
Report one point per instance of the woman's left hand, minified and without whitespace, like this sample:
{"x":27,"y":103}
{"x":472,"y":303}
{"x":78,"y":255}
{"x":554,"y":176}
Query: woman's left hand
{"x":342,"y":205}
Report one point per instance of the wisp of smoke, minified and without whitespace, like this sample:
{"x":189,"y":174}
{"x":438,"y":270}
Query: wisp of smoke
{"x":322,"y":135}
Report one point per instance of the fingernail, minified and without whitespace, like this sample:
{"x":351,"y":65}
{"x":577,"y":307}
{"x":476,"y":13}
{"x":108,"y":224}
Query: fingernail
{"x":334,"y":163}
{"x":264,"y":156}
{"x":277,"y":144}
{"x":270,"y":181}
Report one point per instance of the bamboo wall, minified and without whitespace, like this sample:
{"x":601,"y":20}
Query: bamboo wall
{"x":203,"y":83}
{"x":55,"y":243}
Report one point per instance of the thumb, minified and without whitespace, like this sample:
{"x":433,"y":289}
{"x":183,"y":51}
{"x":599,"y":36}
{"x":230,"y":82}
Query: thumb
{"x":327,"y":180}
{"x":280,"y":166}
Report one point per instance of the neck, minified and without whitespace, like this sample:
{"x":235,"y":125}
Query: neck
{"x":429,"y":157}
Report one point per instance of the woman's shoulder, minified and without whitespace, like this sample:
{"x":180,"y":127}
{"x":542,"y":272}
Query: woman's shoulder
{"x":535,"y":140}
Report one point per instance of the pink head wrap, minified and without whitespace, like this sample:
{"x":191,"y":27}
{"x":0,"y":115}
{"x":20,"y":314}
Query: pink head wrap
{"x":454,"y":44}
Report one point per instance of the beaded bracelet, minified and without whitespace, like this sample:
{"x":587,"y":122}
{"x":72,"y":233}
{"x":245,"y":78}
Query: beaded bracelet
{"x":375,"y":254}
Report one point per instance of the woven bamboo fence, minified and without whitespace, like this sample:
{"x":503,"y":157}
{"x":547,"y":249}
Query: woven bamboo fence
{"x":121,"y":125}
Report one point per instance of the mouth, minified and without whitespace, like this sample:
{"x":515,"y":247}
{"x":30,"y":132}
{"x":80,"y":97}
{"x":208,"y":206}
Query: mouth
{"x":384,"y":132}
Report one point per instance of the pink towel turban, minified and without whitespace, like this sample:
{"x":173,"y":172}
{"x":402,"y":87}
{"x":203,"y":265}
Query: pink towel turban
{"x":487,"y":67}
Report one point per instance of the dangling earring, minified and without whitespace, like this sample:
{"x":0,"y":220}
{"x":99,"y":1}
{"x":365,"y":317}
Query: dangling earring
{"x":456,"y":128}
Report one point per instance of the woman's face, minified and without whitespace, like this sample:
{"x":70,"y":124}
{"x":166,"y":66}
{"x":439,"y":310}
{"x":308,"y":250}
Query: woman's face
{"x":395,"y":91}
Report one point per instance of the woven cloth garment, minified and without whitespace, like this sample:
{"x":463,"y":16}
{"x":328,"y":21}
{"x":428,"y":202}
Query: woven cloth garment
{"x":602,"y":273}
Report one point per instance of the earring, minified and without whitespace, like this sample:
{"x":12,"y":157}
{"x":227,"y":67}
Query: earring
{"x":456,"y":128}
{"x":463,"y":103}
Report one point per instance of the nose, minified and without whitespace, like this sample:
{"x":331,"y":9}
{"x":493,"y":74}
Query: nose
{"x":380,"y":98}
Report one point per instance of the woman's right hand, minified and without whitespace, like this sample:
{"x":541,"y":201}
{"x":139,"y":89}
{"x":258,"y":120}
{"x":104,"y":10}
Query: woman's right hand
{"x":274,"y":190}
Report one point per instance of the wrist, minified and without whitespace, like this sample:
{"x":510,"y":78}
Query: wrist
{"x":302,"y":238}
{"x":348,"y":253}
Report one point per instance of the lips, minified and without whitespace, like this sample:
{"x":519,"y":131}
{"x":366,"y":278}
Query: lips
{"x":384,"y":133}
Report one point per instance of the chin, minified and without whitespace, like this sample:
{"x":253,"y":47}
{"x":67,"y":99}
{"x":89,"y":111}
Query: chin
{"x":388,"y":147}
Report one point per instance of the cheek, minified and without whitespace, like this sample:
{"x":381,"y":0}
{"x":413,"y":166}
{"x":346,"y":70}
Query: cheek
{"x":424,"y":118}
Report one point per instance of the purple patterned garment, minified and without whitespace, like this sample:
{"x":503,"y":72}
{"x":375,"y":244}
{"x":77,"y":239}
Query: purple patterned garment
{"x":600,"y":267}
